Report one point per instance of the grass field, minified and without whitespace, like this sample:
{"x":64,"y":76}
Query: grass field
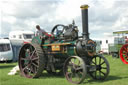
{"x":118,"y":76}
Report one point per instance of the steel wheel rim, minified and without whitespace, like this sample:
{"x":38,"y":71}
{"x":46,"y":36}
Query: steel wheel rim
{"x":124,"y":54}
{"x":75,"y":71}
{"x":101,"y":68}
{"x":28,"y":61}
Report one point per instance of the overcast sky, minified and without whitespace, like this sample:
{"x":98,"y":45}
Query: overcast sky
{"x":105,"y":16}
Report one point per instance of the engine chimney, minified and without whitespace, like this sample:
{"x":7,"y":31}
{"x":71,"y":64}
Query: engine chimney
{"x":84,"y":9}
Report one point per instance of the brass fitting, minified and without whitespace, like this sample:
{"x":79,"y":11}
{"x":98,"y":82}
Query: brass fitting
{"x":84,"y":6}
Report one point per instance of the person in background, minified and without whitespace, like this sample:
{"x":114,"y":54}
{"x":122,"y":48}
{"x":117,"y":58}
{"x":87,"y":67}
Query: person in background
{"x":126,"y":39}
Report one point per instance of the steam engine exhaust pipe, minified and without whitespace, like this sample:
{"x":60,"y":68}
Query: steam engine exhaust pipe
{"x":85,"y":46}
{"x":84,"y":9}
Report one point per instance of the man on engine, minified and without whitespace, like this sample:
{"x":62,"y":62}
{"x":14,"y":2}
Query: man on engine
{"x":42,"y":32}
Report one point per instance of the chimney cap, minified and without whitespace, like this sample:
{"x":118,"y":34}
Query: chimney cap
{"x":85,"y":6}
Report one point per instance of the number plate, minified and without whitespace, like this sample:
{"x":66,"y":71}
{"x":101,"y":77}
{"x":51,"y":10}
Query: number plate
{"x":56,"y":48}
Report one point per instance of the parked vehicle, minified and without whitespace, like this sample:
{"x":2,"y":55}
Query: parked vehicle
{"x":120,"y":38}
{"x":20,"y":37}
{"x":6,"y":53}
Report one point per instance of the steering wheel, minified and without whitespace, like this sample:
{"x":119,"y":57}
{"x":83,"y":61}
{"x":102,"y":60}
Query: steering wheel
{"x":58,"y":30}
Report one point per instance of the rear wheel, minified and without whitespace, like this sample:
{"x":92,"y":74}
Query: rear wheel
{"x":31,"y":60}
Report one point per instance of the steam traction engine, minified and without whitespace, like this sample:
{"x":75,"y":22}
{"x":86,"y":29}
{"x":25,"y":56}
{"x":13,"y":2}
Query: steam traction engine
{"x":67,"y":52}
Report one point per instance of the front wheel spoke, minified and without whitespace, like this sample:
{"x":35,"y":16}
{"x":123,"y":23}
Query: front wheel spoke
{"x":70,"y":65}
{"x":78,"y":62}
{"x":102,"y":63}
{"x":77,"y":75}
{"x":99,"y":60}
{"x":95,"y":61}
{"x":74,"y":66}
{"x":103,"y":67}
{"x":79,"y":68}
{"x":70,"y":75}
{"x":102,"y":72}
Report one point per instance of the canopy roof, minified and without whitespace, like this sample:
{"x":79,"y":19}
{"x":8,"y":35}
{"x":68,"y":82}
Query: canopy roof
{"x":121,"y":32}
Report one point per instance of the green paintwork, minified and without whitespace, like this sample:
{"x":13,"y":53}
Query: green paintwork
{"x":71,"y":51}
{"x":69,"y":48}
{"x":37,"y":40}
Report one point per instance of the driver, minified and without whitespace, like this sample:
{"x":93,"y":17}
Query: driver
{"x":42,"y":31}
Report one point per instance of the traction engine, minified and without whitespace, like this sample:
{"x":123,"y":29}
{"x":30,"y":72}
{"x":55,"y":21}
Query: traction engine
{"x":74,"y":56}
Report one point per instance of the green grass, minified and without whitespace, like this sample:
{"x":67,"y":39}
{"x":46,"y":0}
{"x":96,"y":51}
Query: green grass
{"x":118,"y":76}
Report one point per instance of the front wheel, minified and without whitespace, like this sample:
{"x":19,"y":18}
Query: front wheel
{"x":99,"y":67}
{"x":75,"y":69}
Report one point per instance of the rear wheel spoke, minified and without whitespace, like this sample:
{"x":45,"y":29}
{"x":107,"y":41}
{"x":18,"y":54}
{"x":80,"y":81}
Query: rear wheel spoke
{"x":24,"y":59}
{"x":36,"y":58}
{"x":34,"y":64}
{"x":25,"y":68}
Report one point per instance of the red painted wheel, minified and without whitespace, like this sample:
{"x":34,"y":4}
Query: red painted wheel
{"x":124,"y":54}
{"x":31,"y":60}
